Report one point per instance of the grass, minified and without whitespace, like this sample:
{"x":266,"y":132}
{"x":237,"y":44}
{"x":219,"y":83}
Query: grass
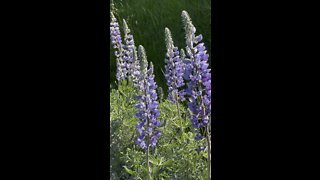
{"x":147,"y":20}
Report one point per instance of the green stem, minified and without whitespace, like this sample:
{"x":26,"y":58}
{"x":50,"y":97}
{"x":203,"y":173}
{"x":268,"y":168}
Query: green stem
{"x":148,"y":165}
{"x":209,"y":152}
{"x":148,"y":137}
{"x":177,"y":103}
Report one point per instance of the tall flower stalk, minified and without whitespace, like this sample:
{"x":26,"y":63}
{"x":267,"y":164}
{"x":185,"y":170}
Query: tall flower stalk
{"x":199,"y":83}
{"x":174,"y":69}
{"x":116,"y":41}
{"x":174,"y":72}
{"x":148,"y":108}
{"x":130,"y":55}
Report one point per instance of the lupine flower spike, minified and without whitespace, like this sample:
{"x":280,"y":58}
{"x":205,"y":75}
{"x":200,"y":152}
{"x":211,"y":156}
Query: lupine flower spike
{"x":118,"y":46}
{"x":148,"y":106}
{"x":174,"y":70}
{"x":130,"y":54}
{"x":198,"y":76}
{"x":199,"y":82}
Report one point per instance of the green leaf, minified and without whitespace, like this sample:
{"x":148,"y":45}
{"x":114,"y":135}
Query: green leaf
{"x":153,"y":161}
{"x":155,"y":170}
{"x":205,"y":155}
{"x":160,"y":161}
{"x":168,"y":163}
{"x":129,"y":171}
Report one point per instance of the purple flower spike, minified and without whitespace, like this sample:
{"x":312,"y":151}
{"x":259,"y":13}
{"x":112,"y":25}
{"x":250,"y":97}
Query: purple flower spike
{"x":130,"y":55}
{"x":197,"y":77}
{"x":118,"y":46}
{"x":174,"y":69}
{"x":148,"y":106}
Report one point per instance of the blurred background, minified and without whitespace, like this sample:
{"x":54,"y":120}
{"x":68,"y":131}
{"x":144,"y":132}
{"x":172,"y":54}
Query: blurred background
{"x":147,"y":20}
